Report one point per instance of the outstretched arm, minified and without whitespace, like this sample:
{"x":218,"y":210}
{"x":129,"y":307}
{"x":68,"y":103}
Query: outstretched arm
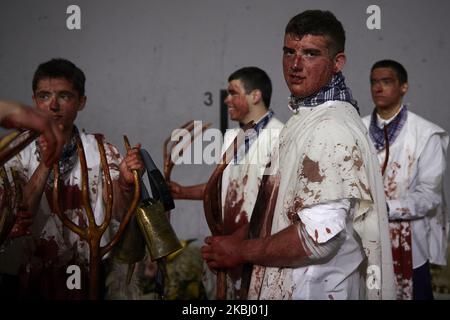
{"x":16,"y":115}
{"x":190,"y":193}
{"x":32,"y":191}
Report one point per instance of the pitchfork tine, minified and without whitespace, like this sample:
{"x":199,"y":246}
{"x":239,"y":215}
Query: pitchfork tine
{"x":169,"y":145}
{"x":92,"y":234}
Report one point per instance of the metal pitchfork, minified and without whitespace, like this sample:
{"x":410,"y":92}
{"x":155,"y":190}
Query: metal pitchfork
{"x":169,"y":145}
{"x":93,"y":232}
{"x":212,"y":203}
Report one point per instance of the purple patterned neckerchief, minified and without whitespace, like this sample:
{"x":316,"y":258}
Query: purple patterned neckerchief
{"x":394,"y":127}
{"x":335,"y":90}
{"x":249,"y":139}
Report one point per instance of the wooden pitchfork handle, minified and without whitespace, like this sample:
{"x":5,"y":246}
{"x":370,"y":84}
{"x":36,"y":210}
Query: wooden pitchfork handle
{"x":13,"y":143}
{"x":92,"y":233}
{"x":169,"y":145}
{"x":212,"y":202}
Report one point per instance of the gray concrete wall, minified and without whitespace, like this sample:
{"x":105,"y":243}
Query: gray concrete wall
{"x":149,"y":63}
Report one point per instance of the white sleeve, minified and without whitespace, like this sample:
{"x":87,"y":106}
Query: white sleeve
{"x":325,"y":220}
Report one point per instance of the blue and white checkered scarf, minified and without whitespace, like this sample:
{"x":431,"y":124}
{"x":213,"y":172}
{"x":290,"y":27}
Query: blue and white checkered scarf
{"x":68,"y":158}
{"x":335,"y":90}
{"x":394,"y":128}
{"x":249,"y":139}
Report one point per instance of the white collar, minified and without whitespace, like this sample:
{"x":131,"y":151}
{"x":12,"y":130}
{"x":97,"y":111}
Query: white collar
{"x":382,"y":122}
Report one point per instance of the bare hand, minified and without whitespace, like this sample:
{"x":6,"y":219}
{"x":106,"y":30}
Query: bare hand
{"x":224,"y":251}
{"x":20,"y":116}
{"x":189,"y":193}
{"x":132,"y":161}
{"x":176,"y":190}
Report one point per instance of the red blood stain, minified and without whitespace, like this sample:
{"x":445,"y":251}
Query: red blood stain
{"x":234,"y":217}
{"x":311,"y":170}
{"x":69,"y":196}
{"x":358,"y":162}
{"x":47,"y":250}
{"x":292,"y":212}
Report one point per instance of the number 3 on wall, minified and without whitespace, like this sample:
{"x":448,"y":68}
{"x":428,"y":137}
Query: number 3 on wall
{"x":208,"y":99}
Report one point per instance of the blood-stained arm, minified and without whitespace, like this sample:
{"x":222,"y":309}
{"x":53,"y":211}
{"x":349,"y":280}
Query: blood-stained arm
{"x":293,"y":246}
{"x":16,"y":115}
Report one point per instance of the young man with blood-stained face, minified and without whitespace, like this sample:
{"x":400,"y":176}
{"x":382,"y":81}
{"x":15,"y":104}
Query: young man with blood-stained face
{"x":248,"y":99}
{"x":318,"y":230}
{"x":39,"y":259}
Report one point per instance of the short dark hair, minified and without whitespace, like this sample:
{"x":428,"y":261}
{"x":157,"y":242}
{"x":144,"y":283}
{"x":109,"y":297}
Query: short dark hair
{"x":399,"y":70}
{"x":319,"y":23}
{"x":254,"y":78}
{"x":60,"y":68}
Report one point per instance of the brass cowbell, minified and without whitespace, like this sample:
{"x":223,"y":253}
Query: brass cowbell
{"x":158,"y":232}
